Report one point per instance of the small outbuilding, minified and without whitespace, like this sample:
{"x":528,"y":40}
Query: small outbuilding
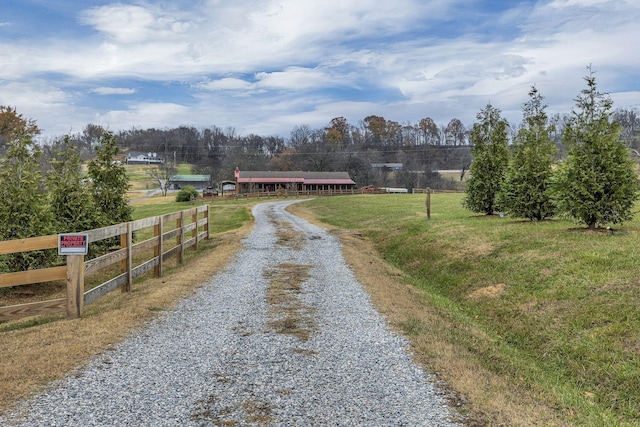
{"x":199,"y":182}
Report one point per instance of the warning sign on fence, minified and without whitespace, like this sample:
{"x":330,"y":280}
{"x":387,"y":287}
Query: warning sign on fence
{"x":73,"y":244}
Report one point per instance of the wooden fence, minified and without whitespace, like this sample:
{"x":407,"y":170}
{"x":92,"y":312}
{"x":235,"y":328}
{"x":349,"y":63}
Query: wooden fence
{"x":296,"y":193}
{"x":189,"y":230}
{"x":363,"y":190}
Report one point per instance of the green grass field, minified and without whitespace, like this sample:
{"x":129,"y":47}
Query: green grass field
{"x":140,"y":179}
{"x":224,"y":215}
{"x":557,"y":306}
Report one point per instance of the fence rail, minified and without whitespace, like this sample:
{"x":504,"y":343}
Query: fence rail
{"x":295,"y":193}
{"x":188,"y":230}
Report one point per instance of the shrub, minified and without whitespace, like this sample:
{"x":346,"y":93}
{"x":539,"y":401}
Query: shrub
{"x":186,"y":193}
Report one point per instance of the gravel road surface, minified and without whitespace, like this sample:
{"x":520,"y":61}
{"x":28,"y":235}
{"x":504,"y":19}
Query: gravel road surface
{"x":283,"y":336}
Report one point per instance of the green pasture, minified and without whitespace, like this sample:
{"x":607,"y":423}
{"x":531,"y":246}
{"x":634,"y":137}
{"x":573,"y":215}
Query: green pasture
{"x":140,"y":179}
{"x":558,"y":305}
{"x":224,"y":215}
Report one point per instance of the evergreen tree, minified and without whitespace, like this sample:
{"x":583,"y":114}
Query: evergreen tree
{"x":490,"y":159}
{"x":525,"y":193}
{"x":109,"y":182}
{"x":597,"y":184}
{"x":24,"y":211}
{"x":71,"y":201}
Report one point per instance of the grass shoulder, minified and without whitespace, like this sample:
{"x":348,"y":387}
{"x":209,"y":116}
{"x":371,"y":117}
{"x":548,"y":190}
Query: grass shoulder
{"x":533,"y":323}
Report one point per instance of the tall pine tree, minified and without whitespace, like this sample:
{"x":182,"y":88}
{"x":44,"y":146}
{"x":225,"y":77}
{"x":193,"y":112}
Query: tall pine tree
{"x":109,"y":182}
{"x":24,"y":211}
{"x":525,"y":193}
{"x":597,"y":184}
{"x":490,"y":159}
{"x":70,"y":199}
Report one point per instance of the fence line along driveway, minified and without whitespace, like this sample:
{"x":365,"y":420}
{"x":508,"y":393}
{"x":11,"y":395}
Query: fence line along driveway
{"x":283,"y":336}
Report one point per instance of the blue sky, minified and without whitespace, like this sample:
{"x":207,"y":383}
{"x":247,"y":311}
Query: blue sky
{"x":266,"y":66}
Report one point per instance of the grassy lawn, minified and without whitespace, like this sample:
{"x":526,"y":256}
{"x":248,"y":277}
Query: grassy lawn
{"x":552,"y":308}
{"x":225,"y":215}
{"x":140,"y":179}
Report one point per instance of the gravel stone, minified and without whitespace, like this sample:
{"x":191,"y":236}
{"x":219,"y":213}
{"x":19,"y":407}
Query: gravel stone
{"x":215,"y":359}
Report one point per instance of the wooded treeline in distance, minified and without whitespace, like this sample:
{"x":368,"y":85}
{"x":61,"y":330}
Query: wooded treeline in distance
{"x":422,"y":148}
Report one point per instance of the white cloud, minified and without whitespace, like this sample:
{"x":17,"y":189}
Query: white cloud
{"x":294,"y":78}
{"x":36,"y":95}
{"x":50,"y":106}
{"x":227,"y":83}
{"x":159,"y":115}
{"x":629,"y":99}
{"x":583,"y":3}
{"x":268,"y":62}
{"x":113,"y":91}
{"x":130,"y":23}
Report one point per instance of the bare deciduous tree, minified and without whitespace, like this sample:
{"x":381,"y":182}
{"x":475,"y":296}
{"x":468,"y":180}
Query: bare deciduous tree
{"x":162,"y":174}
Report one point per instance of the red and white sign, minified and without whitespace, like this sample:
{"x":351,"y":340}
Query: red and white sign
{"x":73,"y":244}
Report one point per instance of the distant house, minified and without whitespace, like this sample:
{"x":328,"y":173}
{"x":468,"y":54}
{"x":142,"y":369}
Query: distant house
{"x":199,"y":182}
{"x":254,"y":181}
{"x":138,"y":158}
{"x":387,"y":166}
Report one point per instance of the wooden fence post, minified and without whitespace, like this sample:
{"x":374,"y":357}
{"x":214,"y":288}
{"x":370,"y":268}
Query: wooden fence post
{"x":75,"y":286}
{"x":180,"y":237}
{"x":206,"y":224}
{"x":158,"y":249}
{"x":123,"y":263}
{"x":194,"y":232}
{"x":129,"y":259}
{"x":428,"y":203}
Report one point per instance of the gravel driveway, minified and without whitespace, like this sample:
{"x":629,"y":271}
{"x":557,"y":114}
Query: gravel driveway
{"x":283,"y":336}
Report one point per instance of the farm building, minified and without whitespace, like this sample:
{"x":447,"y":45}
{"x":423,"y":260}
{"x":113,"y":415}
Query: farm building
{"x":255,"y":181}
{"x":199,"y":182}
{"x":228,"y":187}
{"x":137,"y":158}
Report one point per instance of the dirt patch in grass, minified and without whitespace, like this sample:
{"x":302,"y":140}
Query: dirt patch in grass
{"x":156,"y":200}
{"x":485,"y":398}
{"x":32,"y":356}
{"x":492,"y":291}
{"x":473,"y":246}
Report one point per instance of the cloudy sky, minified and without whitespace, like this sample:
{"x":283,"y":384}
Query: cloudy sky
{"x":265,"y":66}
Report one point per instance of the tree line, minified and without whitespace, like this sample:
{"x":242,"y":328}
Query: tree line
{"x":422,"y":148}
{"x":60,"y":200}
{"x":594,"y":184}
